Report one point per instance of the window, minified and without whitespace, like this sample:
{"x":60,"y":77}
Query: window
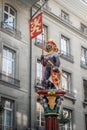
{"x":40,"y":116}
{"x":7,"y":115}
{"x":83,"y":56}
{"x":83,"y":28}
{"x":45,"y":36}
{"x":9,"y":17}
{"x":85,"y":90}
{"x":65,"y":45}
{"x":85,"y":1}
{"x":39,"y":73}
{"x":86,"y":121}
{"x":66,"y":81}
{"x":8,"y":62}
{"x":64,"y":15}
{"x":65,"y":49}
{"x":68,"y":126}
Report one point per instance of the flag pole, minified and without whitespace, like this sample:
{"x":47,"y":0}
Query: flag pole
{"x":30,"y":78}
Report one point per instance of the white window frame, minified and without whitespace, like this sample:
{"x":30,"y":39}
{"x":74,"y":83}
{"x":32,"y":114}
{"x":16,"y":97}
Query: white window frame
{"x":84,"y":55}
{"x":8,"y":61}
{"x":70,"y":127}
{"x":38,"y":71}
{"x":7,"y":108}
{"x":67,"y":79}
{"x":40,"y":114}
{"x":5,"y":118}
{"x":65,"y":45}
{"x":8,"y":23}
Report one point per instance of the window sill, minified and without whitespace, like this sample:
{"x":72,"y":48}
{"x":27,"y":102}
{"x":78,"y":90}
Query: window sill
{"x":70,"y":96}
{"x":38,"y":44}
{"x":67,"y":57}
{"x":83,"y":66}
{"x":9,"y":80}
{"x":11,"y":31}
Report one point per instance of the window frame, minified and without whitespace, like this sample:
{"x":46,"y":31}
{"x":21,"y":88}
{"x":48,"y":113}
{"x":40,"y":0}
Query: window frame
{"x":85,"y":89}
{"x":84,"y":55}
{"x":68,"y":81}
{"x":71,"y":122}
{"x":8,"y":13}
{"x":83,"y":28}
{"x":40,"y":114}
{"x":4,"y":113}
{"x":65,"y":15}
{"x":38,"y":65}
{"x":65,"y":48}
{"x":13,"y":52}
{"x":65,"y":41}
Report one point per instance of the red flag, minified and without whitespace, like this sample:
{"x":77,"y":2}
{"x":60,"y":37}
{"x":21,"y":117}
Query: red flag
{"x":35,"y":26}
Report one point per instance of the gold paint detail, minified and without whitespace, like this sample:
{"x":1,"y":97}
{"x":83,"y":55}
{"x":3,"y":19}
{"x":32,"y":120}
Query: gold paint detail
{"x":51,"y":101}
{"x":51,"y":93}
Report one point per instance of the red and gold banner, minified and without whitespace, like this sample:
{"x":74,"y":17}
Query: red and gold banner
{"x":35,"y":26}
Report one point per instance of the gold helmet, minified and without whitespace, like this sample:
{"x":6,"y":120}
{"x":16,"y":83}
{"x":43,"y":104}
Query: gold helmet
{"x":51,"y":46}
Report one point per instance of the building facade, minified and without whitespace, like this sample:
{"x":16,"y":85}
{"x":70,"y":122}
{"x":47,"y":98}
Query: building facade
{"x":14,"y":55}
{"x":66,"y":23}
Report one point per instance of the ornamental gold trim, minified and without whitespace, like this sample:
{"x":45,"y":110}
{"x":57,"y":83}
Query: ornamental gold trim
{"x":51,"y":101}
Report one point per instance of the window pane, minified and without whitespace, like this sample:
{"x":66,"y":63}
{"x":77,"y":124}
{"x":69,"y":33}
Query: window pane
{"x":85,"y":88}
{"x":45,"y":32}
{"x":65,"y":45}
{"x":66,"y":80}
{"x":39,"y":70}
{"x":12,"y":12}
{"x":40,"y":115}
{"x":8,"y":66}
{"x":11,"y":21}
{"x":39,"y":38}
{"x":8,"y":118}
{"x":6,"y":8}
{"x":6,"y":18}
{"x":4,"y":67}
{"x":84,"y":55}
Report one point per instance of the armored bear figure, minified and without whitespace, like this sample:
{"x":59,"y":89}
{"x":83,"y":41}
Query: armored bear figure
{"x":51,"y":63}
